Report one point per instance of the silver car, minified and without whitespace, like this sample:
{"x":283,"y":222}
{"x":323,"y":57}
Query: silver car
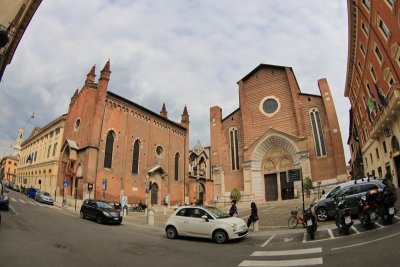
{"x":44,"y":197}
{"x":205,"y":222}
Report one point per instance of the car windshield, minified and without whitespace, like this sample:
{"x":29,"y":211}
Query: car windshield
{"x":104,"y":205}
{"x":219,"y":214}
{"x":46,"y":194}
{"x":334,"y":191}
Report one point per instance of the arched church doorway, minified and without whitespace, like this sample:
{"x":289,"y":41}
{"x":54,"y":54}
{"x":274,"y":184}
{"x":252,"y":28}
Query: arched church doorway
{"x":154,"y":194}
{"x":200,"y":194}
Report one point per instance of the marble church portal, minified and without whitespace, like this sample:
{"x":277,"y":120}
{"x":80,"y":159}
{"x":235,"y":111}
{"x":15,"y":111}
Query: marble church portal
{"x":276,"y":128}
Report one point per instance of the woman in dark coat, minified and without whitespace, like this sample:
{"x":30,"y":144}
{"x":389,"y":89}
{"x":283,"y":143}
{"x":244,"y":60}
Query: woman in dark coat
{"x":254,"y":214}
{"x":233,"y":210}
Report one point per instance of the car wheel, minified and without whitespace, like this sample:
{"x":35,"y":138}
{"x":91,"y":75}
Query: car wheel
{"x":171,"y":232}
{"x":99,"y":220}
{"x":83,"y":215}
{"x":322,"y":214}
{"x":220,"y":236}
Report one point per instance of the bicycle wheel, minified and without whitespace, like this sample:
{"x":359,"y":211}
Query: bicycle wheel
{"x":292,"y":222}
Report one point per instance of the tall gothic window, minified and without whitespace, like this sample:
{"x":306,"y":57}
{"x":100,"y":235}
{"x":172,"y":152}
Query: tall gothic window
{"x":109,"y":150}
{"x":135,"y":161}
{"x":176,"y":166}
{"x":318,"y":134}
{"x":233,"y":136}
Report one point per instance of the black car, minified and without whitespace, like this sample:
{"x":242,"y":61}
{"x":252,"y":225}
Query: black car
{"x":101,"y":211}
{"x":351,"y":191}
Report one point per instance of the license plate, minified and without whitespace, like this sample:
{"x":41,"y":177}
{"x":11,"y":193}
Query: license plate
{"x":391,"y":211}
{"x":115,"y":219}
{"x":347,"y":219}
{"x":372,"y":216}
{"x":309,"y":222}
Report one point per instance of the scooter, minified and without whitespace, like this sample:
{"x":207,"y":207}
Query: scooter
{"x":368,"y":209}
{"x":386,"y":209}
{"x":343,"y":217}
{"x":139,"y":207}
{"x":311,"y":223}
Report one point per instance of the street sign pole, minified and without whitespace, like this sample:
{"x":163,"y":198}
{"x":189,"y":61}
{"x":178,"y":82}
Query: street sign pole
{"x":302,"y":187}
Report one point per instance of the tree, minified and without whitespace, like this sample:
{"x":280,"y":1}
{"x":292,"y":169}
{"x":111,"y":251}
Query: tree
{"x":307,"y":185}
{"x":235,"y":194}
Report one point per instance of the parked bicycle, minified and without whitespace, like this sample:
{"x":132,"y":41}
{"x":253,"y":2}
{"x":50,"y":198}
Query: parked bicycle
{"x":64,"y":202}
{"x":295,"y":218}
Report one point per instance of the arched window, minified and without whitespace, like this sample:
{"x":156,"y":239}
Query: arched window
{"x":317,"y":132}
{"x":395,"y":144}
{"x":233,"y":137}
{"x":109,"y":150}
{"x":135,"y":160}
{"x":176,"y":166}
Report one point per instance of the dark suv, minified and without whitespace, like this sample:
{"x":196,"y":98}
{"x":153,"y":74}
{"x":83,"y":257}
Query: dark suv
{"x":352,"y":191}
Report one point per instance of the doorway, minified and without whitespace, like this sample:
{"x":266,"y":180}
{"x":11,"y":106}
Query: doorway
{"x":271,"y":187}
{"x":154,"y":194}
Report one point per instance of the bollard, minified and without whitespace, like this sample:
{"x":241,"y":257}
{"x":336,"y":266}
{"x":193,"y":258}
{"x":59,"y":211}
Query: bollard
{"x":165,"y":210}
{"x":255,"y":226}
{"x":150,"y":217}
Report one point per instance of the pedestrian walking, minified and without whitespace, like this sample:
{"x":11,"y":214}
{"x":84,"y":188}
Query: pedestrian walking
{"x":253,"y":215}
{"x":233,"y":210}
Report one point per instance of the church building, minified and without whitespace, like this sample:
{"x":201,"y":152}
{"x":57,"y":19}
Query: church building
{"x":276,"y":130}
{"x":115,"y":149}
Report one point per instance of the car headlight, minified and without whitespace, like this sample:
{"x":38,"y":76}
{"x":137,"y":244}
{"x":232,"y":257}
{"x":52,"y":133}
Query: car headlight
{"x":5,"y":197}
{"x":106,"y":213}
{"x":234,"y":225}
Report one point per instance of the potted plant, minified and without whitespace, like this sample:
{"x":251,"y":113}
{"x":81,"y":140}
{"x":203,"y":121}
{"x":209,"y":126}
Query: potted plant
{"x":235,"y":194}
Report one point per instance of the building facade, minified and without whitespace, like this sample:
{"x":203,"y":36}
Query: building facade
{"x":39,"y":157}
{"x":15,"y":16}
{"x":372,"y":86}
{"x":117,"y":150}
{"x":200,"y":174}
{"x":275,"y":129}
{"x":8,"y":167}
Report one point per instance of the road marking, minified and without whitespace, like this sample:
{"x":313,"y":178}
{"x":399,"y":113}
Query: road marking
{"x":266,"y":242}
{"x":14,"y":199}
{"x":368,"y":242}
{"x":305,"y":238}
{"x":380,"y":225}
{"x":355,"y":229}
{"x":287,"y":239}
{"x":397,"y":217}
{"x":40,"y":204}
{"x":21,"y":200}
{"x":32,"y":203}
{"x":287,"y":252}
{"x":13,"y":210}
{"x":283,"y":263}
{"x":331,"y":234}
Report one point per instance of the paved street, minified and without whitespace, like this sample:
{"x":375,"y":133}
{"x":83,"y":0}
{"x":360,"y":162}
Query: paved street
{"x":34,"y":234}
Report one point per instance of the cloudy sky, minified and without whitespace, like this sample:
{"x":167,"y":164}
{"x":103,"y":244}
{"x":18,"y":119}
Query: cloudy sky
{"x":181,"y":52}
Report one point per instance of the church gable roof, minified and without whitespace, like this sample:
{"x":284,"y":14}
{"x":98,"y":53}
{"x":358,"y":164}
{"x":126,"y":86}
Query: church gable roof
{"x":261,"y":66}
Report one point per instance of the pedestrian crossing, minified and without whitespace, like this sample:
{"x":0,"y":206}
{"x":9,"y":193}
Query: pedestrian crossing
{"x":29,"y":202}
{"x":283,"y":258}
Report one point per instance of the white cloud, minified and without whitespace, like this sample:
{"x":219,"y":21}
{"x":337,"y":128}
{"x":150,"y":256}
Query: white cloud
{"x":179,"y":52}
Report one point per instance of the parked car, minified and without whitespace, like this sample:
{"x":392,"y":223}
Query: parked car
{"x":4,"y":201}
{"x":205,"y":222}
{"x":44,"y":197}
{"x":101,"y":211}
{"x":351,"y":191}
{"x":31,"y":192}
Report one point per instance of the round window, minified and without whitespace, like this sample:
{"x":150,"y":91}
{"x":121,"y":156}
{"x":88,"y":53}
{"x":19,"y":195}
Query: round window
{"x":159,"y":151}
{"x":270,"y":106}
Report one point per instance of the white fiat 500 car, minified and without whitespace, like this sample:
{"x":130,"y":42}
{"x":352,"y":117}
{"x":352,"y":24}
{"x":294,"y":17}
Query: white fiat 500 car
{"x":205,"y":222}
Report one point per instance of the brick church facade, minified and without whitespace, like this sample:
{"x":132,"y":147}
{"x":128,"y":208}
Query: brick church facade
{"x":275,"y":129}
{"x":113,"y":147}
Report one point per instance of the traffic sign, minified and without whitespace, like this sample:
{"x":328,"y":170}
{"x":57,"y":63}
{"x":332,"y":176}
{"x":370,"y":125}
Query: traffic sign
{"x":65,"y":184}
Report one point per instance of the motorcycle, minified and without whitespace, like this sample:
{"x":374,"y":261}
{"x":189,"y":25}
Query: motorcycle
{"x":139,"y":207}
{"x":310,"y":222}
{"x":343,"y":217}
{"x":386,"y":209}
{"x":368,"y":209}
